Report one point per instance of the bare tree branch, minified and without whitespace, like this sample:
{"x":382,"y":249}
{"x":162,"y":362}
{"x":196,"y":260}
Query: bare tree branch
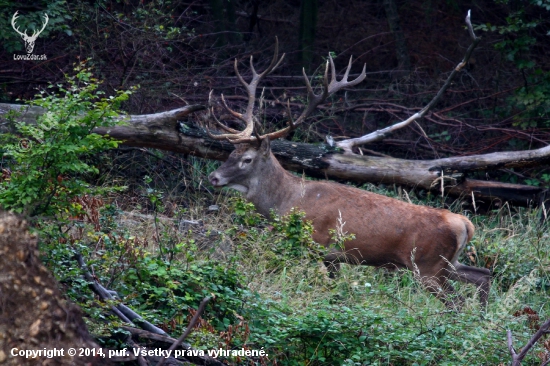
{"x":348,"y":144}
{"x":190,"y":327}
{"x":122,"y":311}
{"x":167,"y":340}
{"x":518,"y":357}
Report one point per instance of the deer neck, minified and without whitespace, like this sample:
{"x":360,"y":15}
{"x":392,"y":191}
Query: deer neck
{"x":272,"y":188}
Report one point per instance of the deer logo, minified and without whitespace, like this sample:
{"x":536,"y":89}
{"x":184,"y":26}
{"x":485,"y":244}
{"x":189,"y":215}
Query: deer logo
{"x":29,"y":40}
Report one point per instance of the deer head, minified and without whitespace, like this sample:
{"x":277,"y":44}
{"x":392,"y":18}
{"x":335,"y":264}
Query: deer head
{"x":29,"y":40}
{"x":251,"y":168}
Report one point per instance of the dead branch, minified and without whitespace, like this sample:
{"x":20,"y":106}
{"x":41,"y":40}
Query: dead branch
{"x":162,"y":131}
{"x":167,"y":340}
{"x":518,"y":357}
{"x":348,"y":144}
{"x":190,"y":327}
{"x":122,"y":311}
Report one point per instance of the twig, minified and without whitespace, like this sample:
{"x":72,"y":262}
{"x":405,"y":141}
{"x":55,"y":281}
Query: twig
{"x":190,"y":327}
{"x":518,"y":357}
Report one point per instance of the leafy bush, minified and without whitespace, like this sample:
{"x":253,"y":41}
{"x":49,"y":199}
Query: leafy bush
{"x":46,"y":159}
{"x":160,"y":290}
{"x":266,"y":298}
{"x":283,"y":240}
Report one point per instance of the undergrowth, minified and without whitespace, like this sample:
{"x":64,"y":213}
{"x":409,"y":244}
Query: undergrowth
{"x":163,"y":246}
{"x":271,"y":291}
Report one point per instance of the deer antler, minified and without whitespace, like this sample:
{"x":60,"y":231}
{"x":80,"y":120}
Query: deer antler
{"x":35,"y":34}
{"x":235,"y":136}
{"x":245,"y":136}
{"x":316,"y":99}
{"x":16,"y":28}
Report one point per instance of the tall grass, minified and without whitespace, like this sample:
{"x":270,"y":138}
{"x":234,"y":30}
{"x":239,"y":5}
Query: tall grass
{"x":386,"y":318}
{"x":270,"y":280}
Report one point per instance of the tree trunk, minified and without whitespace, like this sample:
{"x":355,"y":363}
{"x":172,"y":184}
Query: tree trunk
{"x":162,"y":131}
{"x":403,"y":60}
{"x":308,"y":24}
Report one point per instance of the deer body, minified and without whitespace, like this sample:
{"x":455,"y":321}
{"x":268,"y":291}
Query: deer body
{"x":388,"y":232}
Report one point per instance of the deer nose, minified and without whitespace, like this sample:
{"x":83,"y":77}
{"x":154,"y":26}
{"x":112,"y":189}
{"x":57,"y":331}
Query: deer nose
{"x":213,"y":179}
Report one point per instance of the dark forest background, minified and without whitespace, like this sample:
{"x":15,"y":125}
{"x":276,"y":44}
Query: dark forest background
{"x":178,"y":51}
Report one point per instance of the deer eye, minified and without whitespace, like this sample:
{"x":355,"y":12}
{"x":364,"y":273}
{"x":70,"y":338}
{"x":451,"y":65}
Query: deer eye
{"x":247,"y":161}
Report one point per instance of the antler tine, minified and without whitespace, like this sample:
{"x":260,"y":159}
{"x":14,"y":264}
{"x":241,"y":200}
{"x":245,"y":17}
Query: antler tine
{"x":332,"y":70}
{"x":337,"y":85}
{"x":346,"y":74}
{"x":358,"y":79}
{"x":234,"y":135}
{"x":254,"y":73}
{"x":233,"y":113}
{"x":310,"y":92}
{"x":234,"y":138}
{"x":216,"y":137}
{"x":15,"y":27}
{"x":255,"y":76}
{"x":231,"y":131}
{"x":239,"y":76}
{"x":326,"y":85}
{"x":224,"y":127}
{"x":221,"y":136}
{"x":278,"y":134}
{"x":36,"y":33}
{"x":275,"y":62}
{"x":290,"y":119}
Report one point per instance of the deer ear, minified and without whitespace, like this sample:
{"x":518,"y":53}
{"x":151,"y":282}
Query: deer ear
{"x":265,"y":147}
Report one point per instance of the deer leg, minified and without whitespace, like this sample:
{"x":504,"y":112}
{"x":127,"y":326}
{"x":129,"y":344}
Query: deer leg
{"x":481,"y":277}
{"x":333,"y":259}
{"x":332,"y":262}
{"x":444,"y":291}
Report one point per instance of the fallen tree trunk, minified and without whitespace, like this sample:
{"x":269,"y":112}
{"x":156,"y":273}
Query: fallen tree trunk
{"x":163,"y":131}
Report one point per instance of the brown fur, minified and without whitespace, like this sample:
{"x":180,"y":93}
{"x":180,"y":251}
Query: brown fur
{"x":388,"y":232}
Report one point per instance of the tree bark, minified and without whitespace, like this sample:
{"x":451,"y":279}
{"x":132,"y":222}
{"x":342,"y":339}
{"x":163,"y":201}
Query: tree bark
{"x":163,"y":131}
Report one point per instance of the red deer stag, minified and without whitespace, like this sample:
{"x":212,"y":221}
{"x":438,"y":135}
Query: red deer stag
{"x":388,"y":232}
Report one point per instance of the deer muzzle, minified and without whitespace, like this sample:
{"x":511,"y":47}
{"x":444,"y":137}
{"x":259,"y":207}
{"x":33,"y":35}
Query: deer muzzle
{"x":215,"y":179}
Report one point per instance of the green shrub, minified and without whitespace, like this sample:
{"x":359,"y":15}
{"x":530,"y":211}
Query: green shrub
{"x":283,"y":241}
{"x":266,"y":298}
{"x":47,"y":159}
